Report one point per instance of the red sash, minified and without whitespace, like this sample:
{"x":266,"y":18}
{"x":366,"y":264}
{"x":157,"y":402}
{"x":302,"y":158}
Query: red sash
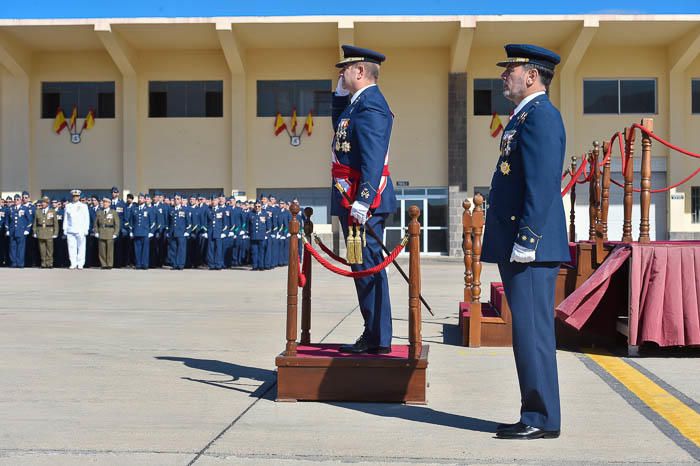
{"x":353,"y":176}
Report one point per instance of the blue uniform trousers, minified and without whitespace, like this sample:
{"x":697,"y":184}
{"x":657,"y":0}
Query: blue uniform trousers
{"x":235,"y":254}
{"x":529,"y":289}
{"x":257,"y":254}
{"x":215,"y":253}
{"x":141,"y":252}
{"x":17,"y":251}
{"x":177,"y":252}
{"x":203,"y":248}
{"x":228,"y":251}
{"x":373,"y":291}
{"x":244,"y":254}
{"x":267,"y":251}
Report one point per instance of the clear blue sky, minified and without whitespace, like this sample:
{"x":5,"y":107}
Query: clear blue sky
{"x":33,"y":9}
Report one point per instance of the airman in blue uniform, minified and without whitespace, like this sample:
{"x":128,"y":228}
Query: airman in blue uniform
{"x":120,"y":244}
{"x":525,"y":233}
{"x":285,"y":217}
{"x":3,"y":239}
{"x":360,"y":150}
{"x":141,"y":228}
{"x":19,"y":224}
{"x":216,"y":230}
{"x":258,"y":233}
{"x":178,"y":231}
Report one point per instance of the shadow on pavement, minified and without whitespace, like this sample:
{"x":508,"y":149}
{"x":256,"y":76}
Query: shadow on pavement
{"x":237,"y":372}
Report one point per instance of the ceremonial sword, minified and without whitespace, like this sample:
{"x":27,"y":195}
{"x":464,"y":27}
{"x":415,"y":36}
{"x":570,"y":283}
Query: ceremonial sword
{"x":374,"y":235}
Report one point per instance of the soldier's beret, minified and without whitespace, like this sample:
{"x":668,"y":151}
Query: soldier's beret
{"x":115,"y":189}
{"x":527,"y":53}
{"x":354,"y":54}
{"x":76,"y":192}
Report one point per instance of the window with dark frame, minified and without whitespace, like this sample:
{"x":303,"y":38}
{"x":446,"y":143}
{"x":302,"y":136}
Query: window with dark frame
{"x":619,"y":96}
{"x":695,"y":204}
{"x":488,"y":98}
{"x":185,"y":99}
{"x":284,"y":95}
{"x":98,"y":96}
{"x":695,"y":95}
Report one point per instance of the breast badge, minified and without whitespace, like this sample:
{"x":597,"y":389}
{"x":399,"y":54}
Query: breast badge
{"x":364,"y":194}
{"x":506,"y":141}
{"x":345,"y":146}
{"x":505,"y":168}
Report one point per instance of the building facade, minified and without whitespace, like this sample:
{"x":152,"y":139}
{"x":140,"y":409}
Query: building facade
{"x":189,"y":104}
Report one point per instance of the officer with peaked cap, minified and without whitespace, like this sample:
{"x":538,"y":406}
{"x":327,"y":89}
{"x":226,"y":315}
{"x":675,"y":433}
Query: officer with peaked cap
{"x":525,"y":233}
{"x":360,"y":154}
{"x":3,"y":225}
{"x":121,"y":242}
{"x":19,"y":225}
{"x":76,"y":223}
{"x":141,"y":227}
{"x":45,"y":230}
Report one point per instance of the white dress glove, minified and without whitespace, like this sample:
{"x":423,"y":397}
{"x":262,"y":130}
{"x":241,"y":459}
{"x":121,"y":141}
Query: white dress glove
{"x":97,"y":235}
{"x":204,"y":235}
{"x":150,"y":235}
{"x":340,"y":90}
{"x":230,"y":235}
{"x":114,"y":236}
{"x":223,"y":235}
{"x":26,"y":233}
{"x":187,"y":235}
{"x":521,"y":254}
{"x":34,"y":235}
{"x":359,"y":212}
{"x":131,"y":235}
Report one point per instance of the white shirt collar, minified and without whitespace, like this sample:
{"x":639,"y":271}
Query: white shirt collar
{"x":357,"y":94}
{"x":526,"y":100}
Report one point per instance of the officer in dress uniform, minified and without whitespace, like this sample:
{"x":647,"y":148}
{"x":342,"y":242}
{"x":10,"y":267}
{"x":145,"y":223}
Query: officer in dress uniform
{"x":191,"y":208}
{"x":19,"y":225}
{"x":284,"y":218}
{"x":203,"y":239}
{"x":3,"y":228}
{"x":179,"y":228}
{"x":91,"y":241}
{"x":141,"y":227}
{"x":45,"y":231}
{"x":158,"y":242}
{"x":244,"y":248}
{"x":121,"y":243}
{"x":216,"y":231}
{"x":60,"y":244}
{"x":31,"y":251}
{"x":525,"y":233}
{"x":106,"y":230}
{"x":76,"y":223}
{"x":257,"y":231}
{"x":360,"y":153}
{"x":129,"y":255}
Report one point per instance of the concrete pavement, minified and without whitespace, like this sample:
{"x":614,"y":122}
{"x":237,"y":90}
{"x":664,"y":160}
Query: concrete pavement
{"x":173,"y":368}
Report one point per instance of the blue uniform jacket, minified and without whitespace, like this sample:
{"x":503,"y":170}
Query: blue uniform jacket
{"x":525,"y":205}
{"x":257,"y":225}
{"x":19,"y":221}
{"x":215,"y":222}
{"x":361,"y":141}
{"x":179,"y":222}
{"x":141,"y":221}
{"x":3,"y":216}
{"x":120,"y":207}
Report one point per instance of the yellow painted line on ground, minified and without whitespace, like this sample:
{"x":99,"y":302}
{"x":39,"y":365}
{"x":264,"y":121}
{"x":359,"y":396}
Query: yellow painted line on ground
{"x":677,"y":413}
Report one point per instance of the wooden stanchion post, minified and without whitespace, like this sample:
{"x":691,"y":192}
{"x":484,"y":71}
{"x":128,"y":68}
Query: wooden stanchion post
{"x":475,"y":309}
{"x":591,"y":198}
{"x":292,"y":282}
{"x":306,"y":291}
{"x":605,"y":200}
{"x":467,"y":248}
{"x":414,"y":285}
{"x":629,"y":185}
{"x":572,"y":211}
{"x":645,"y":195}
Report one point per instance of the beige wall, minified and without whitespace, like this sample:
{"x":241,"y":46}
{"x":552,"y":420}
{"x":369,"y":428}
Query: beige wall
{"x":183,"y":152}
{"x":55,"y":162}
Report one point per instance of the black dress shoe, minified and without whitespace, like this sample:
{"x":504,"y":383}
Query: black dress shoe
{"x":359,"y":347}
{"x":506,"y":426}
{"x":522,"y":431}
{"x":379,"y":350}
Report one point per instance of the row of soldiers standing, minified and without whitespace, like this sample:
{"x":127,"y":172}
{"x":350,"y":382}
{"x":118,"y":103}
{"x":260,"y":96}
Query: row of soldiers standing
{"x":199,"y":232}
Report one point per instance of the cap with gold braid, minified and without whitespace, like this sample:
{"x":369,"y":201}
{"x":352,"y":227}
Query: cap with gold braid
{"x":357,"y":54}
{"x":527,"y":53}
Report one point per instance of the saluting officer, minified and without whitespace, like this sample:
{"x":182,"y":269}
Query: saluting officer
{"x":141,"y":227}
{"x":360,"y":155}
{"x":45,"y":231}
{"x":107,"y":227}
{"x":525,"y":233}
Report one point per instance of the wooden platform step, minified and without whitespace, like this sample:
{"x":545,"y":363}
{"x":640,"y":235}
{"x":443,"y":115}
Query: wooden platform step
{"x":492,"y":327}
{"x":320,"y":373}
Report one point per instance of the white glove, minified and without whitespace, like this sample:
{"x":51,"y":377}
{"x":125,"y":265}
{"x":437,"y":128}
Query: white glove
{"x":359,"y":212}
{"x":26,"y":233}
{"x":223,"y":235}
{"x":55,"y":236}
{"x":230,"y":235}
{"x":150,"y":235}
{"x":288,"y":235}
{"x":114,"y":236}
{"x":131,"y":235}
{"x":187,"y":235}
{"x":340,"y":90}
{"x":96,"y":235}
{"x":204,"y":235}
{"x":34,"y":235}
{"x":521,"y":254}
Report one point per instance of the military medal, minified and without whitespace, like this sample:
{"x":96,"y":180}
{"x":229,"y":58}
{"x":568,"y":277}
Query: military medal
{"x":365,"y":193}
{"x":345,"y":146}
{"x":521,"y":117}
{"x":505,"y":168}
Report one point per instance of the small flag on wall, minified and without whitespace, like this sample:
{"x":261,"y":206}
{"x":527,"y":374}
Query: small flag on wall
{"x":496,"y":125}
{"x":73,"y":117}
{"x":309,"y":125}
{"x":59,"y":123}
{"x":89,"y":120}
{"x":294,"y":120}
{"x":280,"y":125}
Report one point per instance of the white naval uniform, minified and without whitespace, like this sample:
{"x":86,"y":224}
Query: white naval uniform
{"x":76,"y":224}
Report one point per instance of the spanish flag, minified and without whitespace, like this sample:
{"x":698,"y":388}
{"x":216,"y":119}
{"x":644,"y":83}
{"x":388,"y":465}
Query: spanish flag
{"x":496,"y":125}
{"x":59,"y":122}
{"x":73,"y":117}
{"x":309,"y":125}
{"x":294,"y":120}
{"x":89,"y":120}
{"x":280,"y":125}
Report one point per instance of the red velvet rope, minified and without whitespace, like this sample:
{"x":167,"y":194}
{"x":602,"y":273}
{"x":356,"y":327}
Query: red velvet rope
{"x":574,"y":178}
{"x":302,"y":277}
{"x":360,"y":273}
{"x":664,"y":142}
{"x":331,"y":253}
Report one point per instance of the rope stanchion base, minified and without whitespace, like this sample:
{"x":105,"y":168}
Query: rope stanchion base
{"x":320,"y":373}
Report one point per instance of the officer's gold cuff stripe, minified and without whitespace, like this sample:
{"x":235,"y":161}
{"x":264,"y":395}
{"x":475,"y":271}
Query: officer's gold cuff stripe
{"x":677,"y":413}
